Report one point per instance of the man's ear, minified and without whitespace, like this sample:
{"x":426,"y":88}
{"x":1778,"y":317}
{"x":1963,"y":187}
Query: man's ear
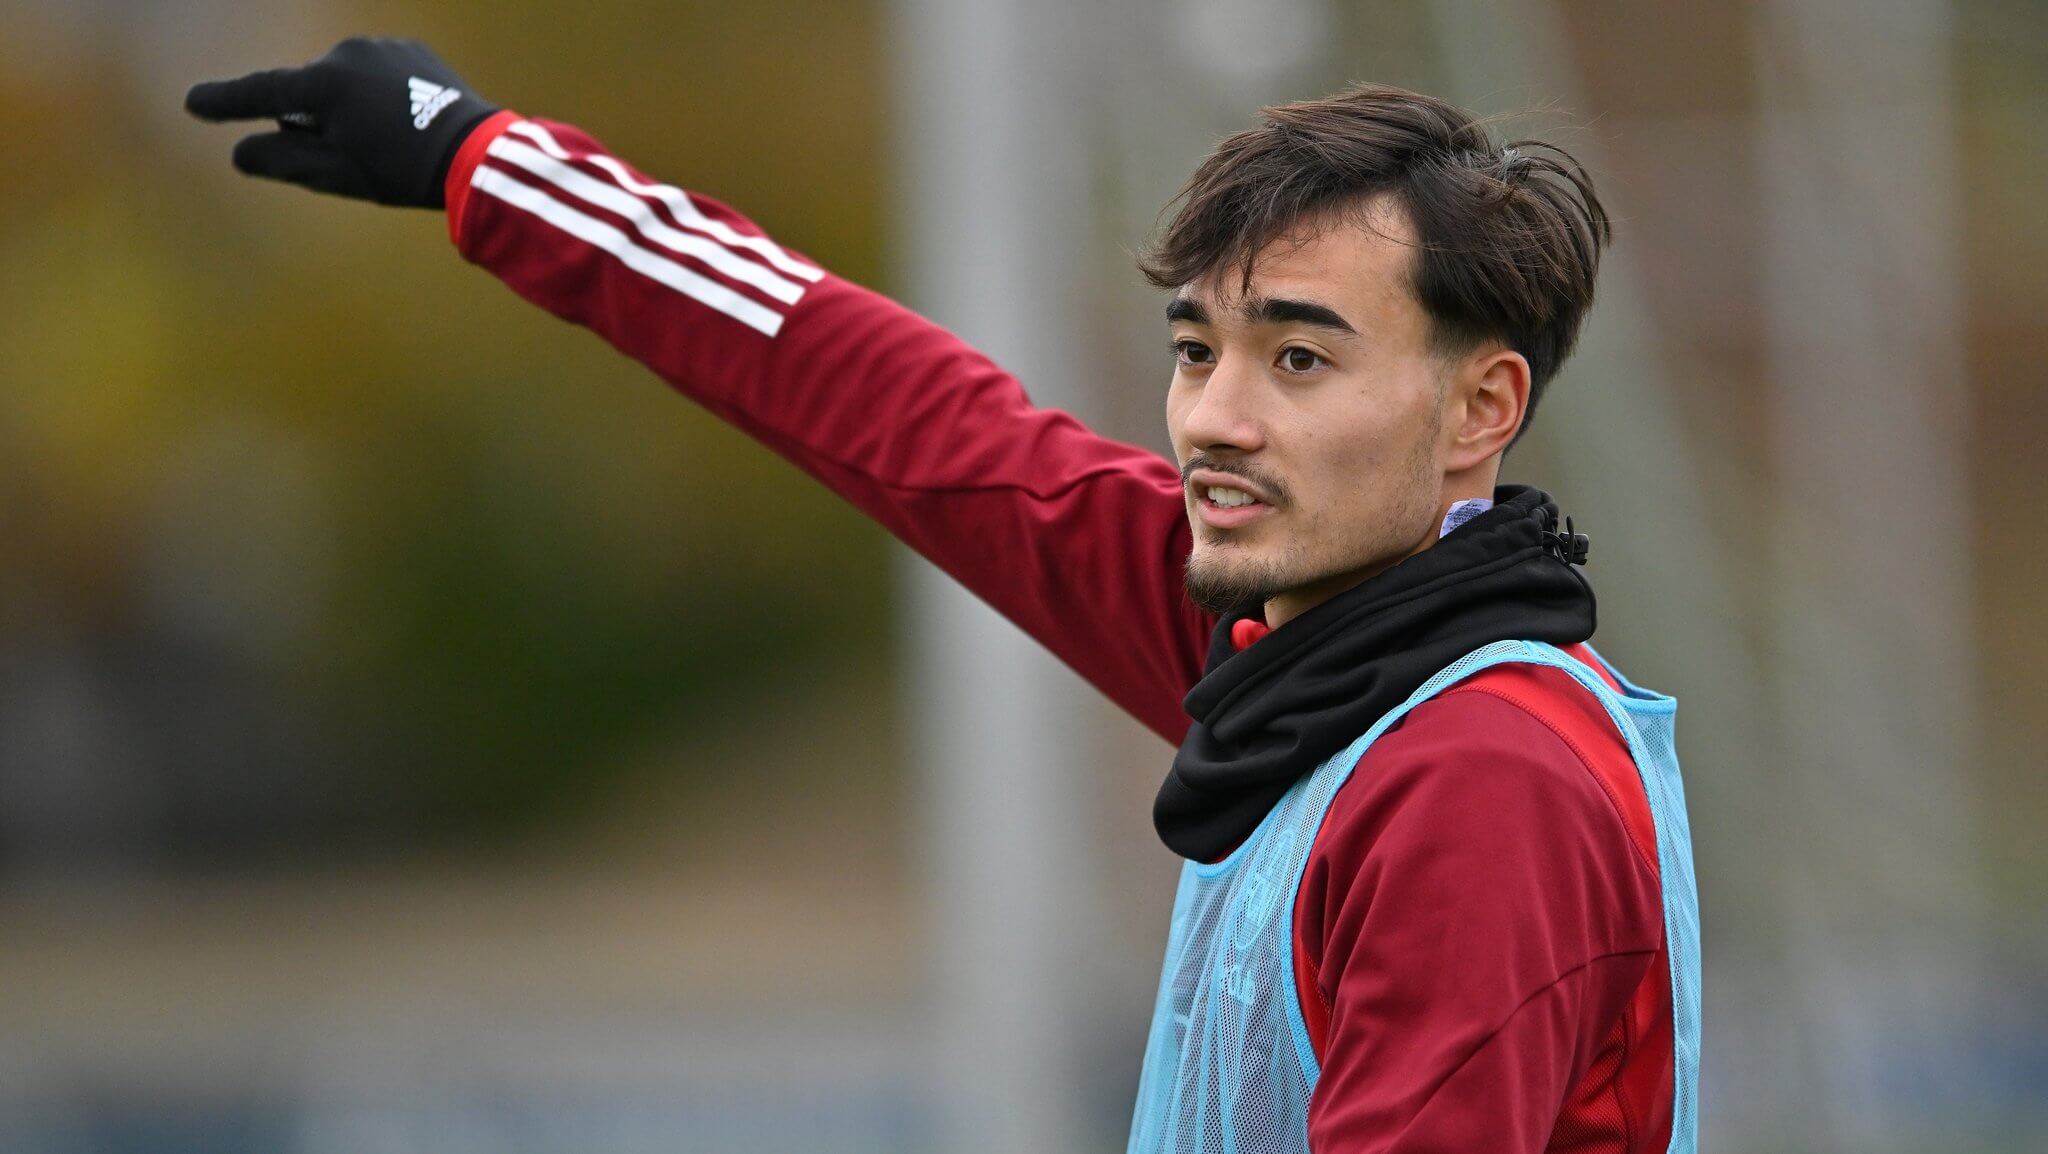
{"x":1488,"y":399}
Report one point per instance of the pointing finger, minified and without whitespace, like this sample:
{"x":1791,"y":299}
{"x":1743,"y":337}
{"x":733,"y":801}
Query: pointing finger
{"x":273,"y":92}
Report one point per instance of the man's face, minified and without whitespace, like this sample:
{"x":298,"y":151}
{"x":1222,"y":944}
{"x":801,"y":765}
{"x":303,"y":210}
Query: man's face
{"x":1315,"y":394}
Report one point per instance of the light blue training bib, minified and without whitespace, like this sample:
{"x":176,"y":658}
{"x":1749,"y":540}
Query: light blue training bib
{"x":1228,"y":1067}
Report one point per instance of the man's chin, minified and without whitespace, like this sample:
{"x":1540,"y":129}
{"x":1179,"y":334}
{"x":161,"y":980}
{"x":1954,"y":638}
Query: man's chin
{"x":1224,"y":586}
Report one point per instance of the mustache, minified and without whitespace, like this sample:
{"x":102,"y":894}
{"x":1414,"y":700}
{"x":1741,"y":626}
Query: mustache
{"x":1266,"y":482}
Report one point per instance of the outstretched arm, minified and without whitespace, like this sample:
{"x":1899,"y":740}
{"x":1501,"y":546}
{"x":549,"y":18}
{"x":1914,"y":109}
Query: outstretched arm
{"x":1078,"y":539}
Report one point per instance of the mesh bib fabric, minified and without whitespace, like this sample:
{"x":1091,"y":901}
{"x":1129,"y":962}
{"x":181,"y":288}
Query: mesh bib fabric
{"x":1228,"y":1066}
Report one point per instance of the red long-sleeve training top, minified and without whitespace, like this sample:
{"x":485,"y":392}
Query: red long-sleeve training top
{"x":1479,"y":933}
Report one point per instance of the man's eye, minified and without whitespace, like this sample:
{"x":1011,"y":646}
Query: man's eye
{"x":1299,"y":360}
{"x":1191,"y":352}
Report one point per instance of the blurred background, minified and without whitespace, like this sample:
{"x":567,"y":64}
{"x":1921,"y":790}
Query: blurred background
{"x":422,"y":730}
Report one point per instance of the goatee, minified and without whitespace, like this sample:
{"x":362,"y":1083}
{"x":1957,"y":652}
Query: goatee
{"x":1226,"y":589}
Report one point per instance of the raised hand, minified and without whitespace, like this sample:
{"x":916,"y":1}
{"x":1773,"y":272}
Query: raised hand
{"x":375,"y":119}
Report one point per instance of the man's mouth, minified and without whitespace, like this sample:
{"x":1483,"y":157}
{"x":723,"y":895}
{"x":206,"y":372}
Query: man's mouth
{"x":1227,"y":507}
{"x":1228,"y":497}
{"x":1221,"y":486}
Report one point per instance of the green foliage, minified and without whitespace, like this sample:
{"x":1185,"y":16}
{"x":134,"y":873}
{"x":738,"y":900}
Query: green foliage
{"x":498,"y":557}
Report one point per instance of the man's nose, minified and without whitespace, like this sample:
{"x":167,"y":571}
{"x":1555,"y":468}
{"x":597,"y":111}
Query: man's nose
{"x":1225,"y":415}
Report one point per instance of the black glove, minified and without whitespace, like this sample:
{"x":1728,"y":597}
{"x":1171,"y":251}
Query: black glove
{"x":376,"y":119}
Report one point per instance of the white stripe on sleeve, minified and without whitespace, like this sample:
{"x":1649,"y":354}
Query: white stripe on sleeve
{"x":685,"y":209}
{"x":590,"y":230}
{"x":540,"y":136}
{"x":610,"y":196}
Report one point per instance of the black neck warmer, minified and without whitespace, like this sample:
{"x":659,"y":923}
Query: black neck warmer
{"x":1265,"y":716}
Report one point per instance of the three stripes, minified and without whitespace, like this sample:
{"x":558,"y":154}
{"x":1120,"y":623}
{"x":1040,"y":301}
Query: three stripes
{"x":735,"y":262}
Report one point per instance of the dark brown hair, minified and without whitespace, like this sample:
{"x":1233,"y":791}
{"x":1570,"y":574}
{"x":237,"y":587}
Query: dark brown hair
{"x":1509,"y":236}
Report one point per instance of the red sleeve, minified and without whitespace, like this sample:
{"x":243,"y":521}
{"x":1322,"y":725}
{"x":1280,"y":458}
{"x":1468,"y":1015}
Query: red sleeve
{"x":1476,"y":919}
{"x":1078,"y":539}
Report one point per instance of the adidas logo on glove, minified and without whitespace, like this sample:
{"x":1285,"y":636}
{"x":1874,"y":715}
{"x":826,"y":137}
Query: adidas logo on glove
{"x":428,"y":100}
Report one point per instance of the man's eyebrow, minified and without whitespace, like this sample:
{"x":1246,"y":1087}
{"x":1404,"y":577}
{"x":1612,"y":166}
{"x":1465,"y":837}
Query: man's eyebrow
{"x":1283,"y":310}
{"x":1186,"y":309}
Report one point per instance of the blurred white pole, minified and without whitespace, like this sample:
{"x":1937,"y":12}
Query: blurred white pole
{"x":1874,"y":552}
{"x":994,"y":229}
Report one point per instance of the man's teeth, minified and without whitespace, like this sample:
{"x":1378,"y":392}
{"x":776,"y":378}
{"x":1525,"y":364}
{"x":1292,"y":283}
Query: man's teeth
{"x":1218,"y":495}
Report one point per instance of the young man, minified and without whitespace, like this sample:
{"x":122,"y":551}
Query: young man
{"x":1439,"y":891}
